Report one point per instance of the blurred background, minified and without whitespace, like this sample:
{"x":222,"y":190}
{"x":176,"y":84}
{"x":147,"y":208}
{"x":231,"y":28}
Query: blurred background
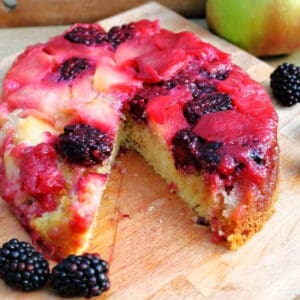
{"x":58,"y":12}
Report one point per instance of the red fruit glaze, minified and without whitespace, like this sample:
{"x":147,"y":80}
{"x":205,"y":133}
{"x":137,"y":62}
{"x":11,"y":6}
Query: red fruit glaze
{"x":39,"y":173}
{"x":161,"y":65}
{"x":31,"y":66}
{"x":84,"y":209}
{"x":165,"y":112}
{"x":226,"y":126}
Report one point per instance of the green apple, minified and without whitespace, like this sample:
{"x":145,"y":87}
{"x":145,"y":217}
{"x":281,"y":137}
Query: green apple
{"x":262,"y":27}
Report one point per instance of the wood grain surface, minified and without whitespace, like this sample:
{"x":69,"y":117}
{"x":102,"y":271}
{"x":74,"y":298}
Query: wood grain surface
{"x":54,"y":12}
{"x":150,"y":237}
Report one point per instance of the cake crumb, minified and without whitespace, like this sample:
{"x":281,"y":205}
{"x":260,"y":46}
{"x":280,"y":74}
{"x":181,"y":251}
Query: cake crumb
{"x":150,"y":208}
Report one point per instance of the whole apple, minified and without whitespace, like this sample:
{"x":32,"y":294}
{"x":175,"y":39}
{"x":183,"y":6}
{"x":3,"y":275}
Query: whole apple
{"x":262,"y":27}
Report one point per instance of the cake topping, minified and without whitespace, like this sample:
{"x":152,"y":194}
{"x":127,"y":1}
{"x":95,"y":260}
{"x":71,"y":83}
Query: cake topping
{"x":70,"y":68}
{"x":285,"y":83}
{"x":207,"y":103}
{"x":81,"y":276}
{"x":89,"y":35}
{"x":84,"y":144}
{"x":39,"y":173}
{"x":137,"y":108}
{"x":257,"y":157}
{"x":199,"y":88}
{"x":22,"y":267}
{"x":119,"y":34}
{"x":193,"y":152}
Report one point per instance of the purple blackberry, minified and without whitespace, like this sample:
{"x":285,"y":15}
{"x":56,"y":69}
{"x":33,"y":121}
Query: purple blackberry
{"x":185,"y":144}
{"x":119,"y":34}
{"x":153,"y":90}
{"x":137,"y":108}
{"x":207,"y":103}
{"x":89,"y":35}
{"x":22,"y":267}
{"x":193,"y":152}
{"x":200,"y":88}
{"x":285,"y":83}
{"x":81,"y":276}
{"x":84,"y":144}
{"x":72,"y":67}
{"x":219,"y":75}
{"x":207,"y":155}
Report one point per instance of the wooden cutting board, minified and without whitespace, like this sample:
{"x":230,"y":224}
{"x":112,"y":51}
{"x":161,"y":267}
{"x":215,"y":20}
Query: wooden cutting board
{"x":150,"y":237}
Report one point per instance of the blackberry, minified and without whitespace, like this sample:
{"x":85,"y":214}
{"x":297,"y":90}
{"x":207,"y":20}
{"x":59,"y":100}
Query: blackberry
{"x":207,"y":103}
{"x":200,"y":88}
{"x":208,"y":156}
{"x":219,"y":75}
{"x":170,"y":84}
{"x":81,"y":276}
{"x":89,"y":35}
{"x":185,"y":144}
{"x":137,"y":108}
{"x":193,"y":152}
{"x":84,"y":144}
{"x":22,"y":267}
{"x":285,"y":83}
{"x":119,"y":34}
{"x":70,"y":68}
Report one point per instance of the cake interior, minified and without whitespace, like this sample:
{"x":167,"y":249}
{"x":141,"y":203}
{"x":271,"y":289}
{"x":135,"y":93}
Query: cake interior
{"x":213,"y":205}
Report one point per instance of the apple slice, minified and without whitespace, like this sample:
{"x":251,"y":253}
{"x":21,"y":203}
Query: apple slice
{"x":165,"y":113}
{"x":128,"y":51}
{"x":99,"y":113}
{"x":255,"y":100}
{"x":161,"y":64}
{"x":146,"y":27}
{"x":29,"y":97}
{"x":226,"y":126}
{"x":31,"y":66}
{"x":110,"y":78}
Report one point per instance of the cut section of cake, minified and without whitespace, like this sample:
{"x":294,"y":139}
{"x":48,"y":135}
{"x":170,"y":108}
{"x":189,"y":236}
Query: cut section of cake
{"x":200,"y":121}
{"x":54,"y":181}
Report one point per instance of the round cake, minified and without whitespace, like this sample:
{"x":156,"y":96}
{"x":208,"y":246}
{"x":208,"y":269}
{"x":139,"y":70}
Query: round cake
{"x":199,"y":120}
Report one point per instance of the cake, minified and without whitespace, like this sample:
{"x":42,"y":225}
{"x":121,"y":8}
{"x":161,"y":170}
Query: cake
{"x":199,"y":120}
